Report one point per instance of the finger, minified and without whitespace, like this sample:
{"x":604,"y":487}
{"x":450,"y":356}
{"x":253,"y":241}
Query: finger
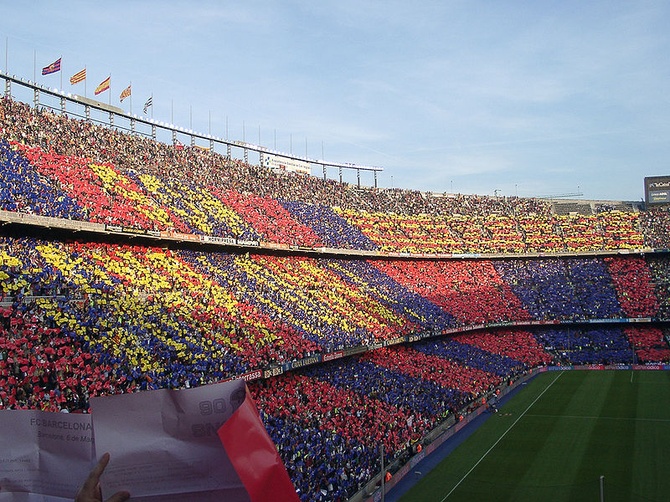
{"x":94,"y":476}
{"x":121,"y":496}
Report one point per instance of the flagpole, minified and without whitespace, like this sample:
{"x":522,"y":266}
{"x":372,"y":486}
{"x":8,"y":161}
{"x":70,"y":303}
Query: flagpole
{"x":35,"y":66}
{"x":61,"y":73}
{"x":85,"y":79}
{"x":7,"y":55}
{"x":110,"y":89}
{"x":131,"y":97}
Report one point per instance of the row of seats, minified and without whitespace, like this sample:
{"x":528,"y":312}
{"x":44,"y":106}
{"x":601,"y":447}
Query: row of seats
{"x":82,"y":319}
{"x":75,"y":188}
{"x":395,"y":395}
{"x":79,"y":319}
{"x":92,"y":173}
{"x":347,"y":408}
{"x":493,"y":233}
{"x":325,"y":304}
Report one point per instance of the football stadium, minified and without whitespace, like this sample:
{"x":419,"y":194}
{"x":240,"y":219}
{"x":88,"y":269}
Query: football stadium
{"x":372,"y":327}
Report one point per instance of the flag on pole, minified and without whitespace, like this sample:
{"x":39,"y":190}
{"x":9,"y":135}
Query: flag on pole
{"x":253,"y":454}
{"x":78,"y":77}
{"x":52,"y":68}
{"x":148,"y":103}
{"x":104,"y":85}
{"x":125,"y":94}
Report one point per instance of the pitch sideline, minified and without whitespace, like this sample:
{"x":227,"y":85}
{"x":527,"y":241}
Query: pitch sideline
{"x":501,"y":437}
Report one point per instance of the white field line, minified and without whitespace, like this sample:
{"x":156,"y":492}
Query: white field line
{"x":501,"y":437}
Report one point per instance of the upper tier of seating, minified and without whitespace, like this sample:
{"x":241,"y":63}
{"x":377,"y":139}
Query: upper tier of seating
{"x":55,"y":166}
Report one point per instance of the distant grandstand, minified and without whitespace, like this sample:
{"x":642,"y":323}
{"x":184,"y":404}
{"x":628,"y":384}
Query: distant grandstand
{"x":359,"y":316}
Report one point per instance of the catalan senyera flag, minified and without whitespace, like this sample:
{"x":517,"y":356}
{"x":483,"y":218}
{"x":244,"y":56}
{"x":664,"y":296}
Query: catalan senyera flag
{"x":52,"y":68}
{"x":104,"y":85}
{"x":125,"y":93}
{"x":78,"y":77}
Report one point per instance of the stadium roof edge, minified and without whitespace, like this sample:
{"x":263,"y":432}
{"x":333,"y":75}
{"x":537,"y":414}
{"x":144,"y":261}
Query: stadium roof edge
{"x":171,"y":127}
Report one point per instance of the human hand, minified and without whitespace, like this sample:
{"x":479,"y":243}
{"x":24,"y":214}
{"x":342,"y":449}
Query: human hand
{"x":90,"y":491}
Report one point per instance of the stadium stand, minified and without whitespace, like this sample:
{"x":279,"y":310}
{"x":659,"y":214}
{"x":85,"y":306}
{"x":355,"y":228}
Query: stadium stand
{"x":92,"y":172}
{"x":588,"y":346}
{"x":416,"y":341}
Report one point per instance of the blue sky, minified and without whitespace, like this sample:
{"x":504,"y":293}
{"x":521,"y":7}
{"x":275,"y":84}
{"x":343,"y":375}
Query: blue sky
{"x":528,"y":98}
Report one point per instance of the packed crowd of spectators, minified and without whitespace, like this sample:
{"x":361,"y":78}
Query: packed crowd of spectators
{"x":392,"y":396}
{"x":79,"y":319}
{"x":472,"y":291}
{"x":635,"y":285}
{"x":496,"y":233}
{"x":518,"y":345}
{"x":170,"y":313}
{"x":650,"y":344}
{"x":577,"y":346}
{"x":470,"y":356}
{"x":660,"y":271}
{"x":62,"y":135}
{"x":568,"y":289}
{"x":147,"y":309}
{"x":340,"y":411}
{"x":656,"y":227}
{"x":80,"y":170}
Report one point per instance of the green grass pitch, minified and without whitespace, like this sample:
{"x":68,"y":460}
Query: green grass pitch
{"x":557,"y":437}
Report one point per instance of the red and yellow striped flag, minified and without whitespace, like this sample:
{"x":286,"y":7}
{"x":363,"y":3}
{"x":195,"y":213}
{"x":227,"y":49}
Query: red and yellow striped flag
{"x":78,"y":77}
{"x":104,"y":85}
{"x":125,"y":93}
